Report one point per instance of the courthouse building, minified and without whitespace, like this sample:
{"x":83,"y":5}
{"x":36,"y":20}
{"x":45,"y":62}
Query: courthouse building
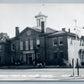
{"x":45,"y":45}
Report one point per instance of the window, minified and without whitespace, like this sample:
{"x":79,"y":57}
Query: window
{"x":26,"y":45}
{"x":80,"y":42}
{"x":13,"y":47}
{"x":39,"y":21}
{"x":0,"y":47}
{"x":55,"y":42}
{"x":60,"y":40}
{"x":71,"y":41}
{"x":31,"y":44}
{"x":21,"y":45}
{"x":38,"y":43}
{"x":83,"y":43}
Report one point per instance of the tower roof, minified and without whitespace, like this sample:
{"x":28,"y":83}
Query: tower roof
{"x":40,"y":15}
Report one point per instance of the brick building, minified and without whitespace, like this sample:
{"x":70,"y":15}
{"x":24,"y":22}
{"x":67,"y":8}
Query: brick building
{"x":33,"y":45}
{"x":62,"y":47}
{"x":25,"y":46}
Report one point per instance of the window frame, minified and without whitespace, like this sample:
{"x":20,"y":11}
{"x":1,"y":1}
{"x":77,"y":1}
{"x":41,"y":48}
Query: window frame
{"x":54,"y":41}
{"x":12,"y":47}
{"x":26,"y":44}
{"x":21,"y":48}
{"x":59,"y":40}
{"x":37,"y":43}
{"x":0,"y":47}
{"x":31,"y":40}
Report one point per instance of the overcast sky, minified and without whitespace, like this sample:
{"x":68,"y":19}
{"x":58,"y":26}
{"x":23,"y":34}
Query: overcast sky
{"x":23,"y":15}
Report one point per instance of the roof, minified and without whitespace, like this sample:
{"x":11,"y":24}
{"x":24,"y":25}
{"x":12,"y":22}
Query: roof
{"x":56,"y":33}
{"x":40,"y":15}
{"x":35,"y":29}
{"x":50,"y":30}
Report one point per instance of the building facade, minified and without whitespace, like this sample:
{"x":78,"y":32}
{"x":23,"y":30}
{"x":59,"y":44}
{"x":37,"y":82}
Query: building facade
{"x":25,"y":46}
{"x":37,"y":45}
{"x":62,"y":47}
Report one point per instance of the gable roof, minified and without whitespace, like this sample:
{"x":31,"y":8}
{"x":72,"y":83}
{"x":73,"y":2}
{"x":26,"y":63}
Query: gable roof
{"x":34,"y":29}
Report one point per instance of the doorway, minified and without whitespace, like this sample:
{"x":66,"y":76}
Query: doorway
{"x":29,"y":59}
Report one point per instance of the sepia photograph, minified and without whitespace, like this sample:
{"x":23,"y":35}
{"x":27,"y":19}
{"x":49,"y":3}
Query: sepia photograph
{"x":42,"y":42}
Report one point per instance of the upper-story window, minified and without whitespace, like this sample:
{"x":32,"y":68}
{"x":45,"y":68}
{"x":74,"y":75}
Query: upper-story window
{"x":0,"y":47}
{"x":38,"y":43}
{"x":39,"y":22}
{"x":83,"y":43}
{"x":26,"y":45}
{"x":21,"y":45}
{"x":12,"y":47}
{"x":31,"y":44}
{"x":60,"y":40}
{"x":55,"y":42}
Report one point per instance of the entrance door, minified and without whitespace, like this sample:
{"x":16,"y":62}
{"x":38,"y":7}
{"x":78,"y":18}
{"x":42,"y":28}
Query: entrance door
{"x":29,"y":59}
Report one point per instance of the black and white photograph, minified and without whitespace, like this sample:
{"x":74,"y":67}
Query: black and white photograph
{"x":42,"y":41}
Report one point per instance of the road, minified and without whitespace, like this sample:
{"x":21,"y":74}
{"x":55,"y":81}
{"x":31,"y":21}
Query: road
{"x":53,"y":74}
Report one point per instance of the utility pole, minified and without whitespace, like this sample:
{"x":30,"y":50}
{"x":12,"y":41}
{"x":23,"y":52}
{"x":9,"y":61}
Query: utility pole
{"x":77,"y":63}
{"x":73,"y":60}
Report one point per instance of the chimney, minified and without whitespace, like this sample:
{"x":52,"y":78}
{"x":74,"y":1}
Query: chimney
{"x":42,"y":26}
{"x":63,"y":29}
{"x":69,"y":30}
{"x":17,"y":31}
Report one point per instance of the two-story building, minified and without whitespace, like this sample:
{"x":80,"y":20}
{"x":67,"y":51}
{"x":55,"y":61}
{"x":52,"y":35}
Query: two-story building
{"x":25,"y":46}
{"x":52,"y":47}
{"x":34,"y":45}
{"x":62,"y":47}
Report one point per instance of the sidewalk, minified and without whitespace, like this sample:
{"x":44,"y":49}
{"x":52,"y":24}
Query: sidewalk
{"x":29,"y":67}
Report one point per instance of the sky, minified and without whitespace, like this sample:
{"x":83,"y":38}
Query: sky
{"x":60,"y":15}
